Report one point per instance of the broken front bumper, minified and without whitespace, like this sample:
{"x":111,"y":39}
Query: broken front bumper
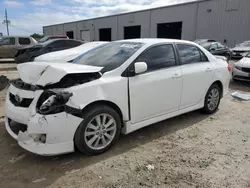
{"x":57,"y":129}
{"x":240,"y":75}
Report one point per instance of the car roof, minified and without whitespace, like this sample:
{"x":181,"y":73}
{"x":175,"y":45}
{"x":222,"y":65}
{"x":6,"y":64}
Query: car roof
{"x":17,"y":36}
{"x":155,"y":41}
{"x":56,"y":36}
{"x":57,"y":39}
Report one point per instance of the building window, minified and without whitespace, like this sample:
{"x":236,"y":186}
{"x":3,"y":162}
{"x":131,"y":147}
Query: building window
{"x":232,"y":5}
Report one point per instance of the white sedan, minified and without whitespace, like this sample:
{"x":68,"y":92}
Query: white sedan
{"x":118,"y":88}
{"x":69,"y":54}
{"x":241,"y":69}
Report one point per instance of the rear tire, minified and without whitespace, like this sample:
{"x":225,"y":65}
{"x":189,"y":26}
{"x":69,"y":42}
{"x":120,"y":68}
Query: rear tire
{"x":99,"y":130}
{"x":212,"y":99}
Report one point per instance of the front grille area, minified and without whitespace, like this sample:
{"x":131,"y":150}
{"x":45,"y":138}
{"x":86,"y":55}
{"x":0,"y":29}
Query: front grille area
{"x":20,"y":102}
{"x":244,"y":69}
{"x":16,"y":127}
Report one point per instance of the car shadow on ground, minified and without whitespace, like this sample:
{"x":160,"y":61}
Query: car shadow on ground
{"x":32,"y":167}
{"x":240,"y":85}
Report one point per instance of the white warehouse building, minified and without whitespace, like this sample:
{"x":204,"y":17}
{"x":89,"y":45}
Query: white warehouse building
{"x":227,"y":21}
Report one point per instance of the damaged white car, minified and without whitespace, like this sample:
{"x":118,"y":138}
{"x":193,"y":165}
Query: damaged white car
{"x":120,"y":87}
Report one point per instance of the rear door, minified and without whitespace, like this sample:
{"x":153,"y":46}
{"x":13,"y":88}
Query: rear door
{"x":8,"y":47}
{"x":197,"y":74}
{"x":157,"y":91}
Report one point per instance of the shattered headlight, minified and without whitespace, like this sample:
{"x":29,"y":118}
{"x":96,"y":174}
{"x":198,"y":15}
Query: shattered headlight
{"x":51,"y":102}
{"x":238,"y":67}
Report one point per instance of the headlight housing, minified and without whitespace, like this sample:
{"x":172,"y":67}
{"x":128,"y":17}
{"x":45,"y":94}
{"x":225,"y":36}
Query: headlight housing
{"x":238,"y":67}
{"x":51,"y":102}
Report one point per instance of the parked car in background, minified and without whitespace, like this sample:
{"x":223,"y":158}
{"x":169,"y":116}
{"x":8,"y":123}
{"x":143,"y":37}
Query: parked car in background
{"x":119,"y":87}
{"x":241,"y":50}
{"x":46,"y":38}
{"x":241,"y":69}
{"x":10,"y":45}
{"x":29,"y":53}
{"x":218,"y":49}
{"x":201,"y":41}
{"x":70,"y":54}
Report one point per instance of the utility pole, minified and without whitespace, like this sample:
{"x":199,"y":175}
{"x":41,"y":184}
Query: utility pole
{"x":7,"y":22}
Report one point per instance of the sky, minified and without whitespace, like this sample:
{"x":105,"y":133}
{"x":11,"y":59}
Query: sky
{"x":28,"y":16}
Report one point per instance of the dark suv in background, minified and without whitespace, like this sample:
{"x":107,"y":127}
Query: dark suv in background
{"x":29,"y":53}
{"x":46,"y":38}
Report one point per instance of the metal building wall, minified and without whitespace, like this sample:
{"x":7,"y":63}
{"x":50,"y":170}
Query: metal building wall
{"x":70,"y":27}
{"x":202,"y":19}
{"x":48,"y":30}
{"x":133,"y":19}
{"x":58,"y":30}
{"x":108,"y":22}
{"x":87,"y":25}
{"x":184,"y":13}
{"x":217,"y":22}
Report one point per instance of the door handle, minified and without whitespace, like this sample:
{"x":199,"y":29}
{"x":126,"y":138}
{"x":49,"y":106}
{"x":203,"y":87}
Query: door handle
{"x":176,"y":75}
{"x":208,"y":70}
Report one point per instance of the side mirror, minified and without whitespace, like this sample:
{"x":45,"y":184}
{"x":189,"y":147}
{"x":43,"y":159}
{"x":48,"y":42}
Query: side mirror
{"x":212,"y":49}
{"x":141,"y":67}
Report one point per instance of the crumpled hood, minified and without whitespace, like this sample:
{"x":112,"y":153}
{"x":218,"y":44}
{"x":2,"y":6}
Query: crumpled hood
{"x":43,"y":73}
{"x":244,"y":62}
{"x":241,"y":48}
{"x":69,"y":54}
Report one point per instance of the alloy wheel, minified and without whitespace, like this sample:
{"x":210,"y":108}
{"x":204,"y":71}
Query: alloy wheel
{"x":213,"y":99}
{"x":100,"y":131}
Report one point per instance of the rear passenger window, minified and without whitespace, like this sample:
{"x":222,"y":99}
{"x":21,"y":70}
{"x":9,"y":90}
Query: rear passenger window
{"x":158,"y":57}
{"x":24,"y":41}
{"x":8,"y":41}
{"x":190,"y":54}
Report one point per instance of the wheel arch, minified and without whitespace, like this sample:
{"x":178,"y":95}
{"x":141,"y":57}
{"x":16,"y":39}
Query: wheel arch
{"x":104,"y":102}
{"x":219,"y":83}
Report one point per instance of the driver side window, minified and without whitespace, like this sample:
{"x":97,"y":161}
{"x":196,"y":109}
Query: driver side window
{"x":8,"y":41}
{"x":158,"y":57}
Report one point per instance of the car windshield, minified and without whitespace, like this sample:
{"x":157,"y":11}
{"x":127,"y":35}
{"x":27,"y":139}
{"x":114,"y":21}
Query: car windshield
{"x":43,"y":39}
{"x":246,"y":44}
{"x":109,"y":56}
{"x":206,"y":45}
{"x":200,"y":41}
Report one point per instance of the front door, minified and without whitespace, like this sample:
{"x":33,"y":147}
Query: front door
{"x":157,"y":91}
{"x":197,"y":74}
{"x":8,"y":47}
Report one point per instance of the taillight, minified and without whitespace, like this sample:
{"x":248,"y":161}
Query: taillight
{"x":229,"y":68}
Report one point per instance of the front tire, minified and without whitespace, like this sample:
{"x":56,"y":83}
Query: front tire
{"x":99,"y":130}
{"x":212,"y":99}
